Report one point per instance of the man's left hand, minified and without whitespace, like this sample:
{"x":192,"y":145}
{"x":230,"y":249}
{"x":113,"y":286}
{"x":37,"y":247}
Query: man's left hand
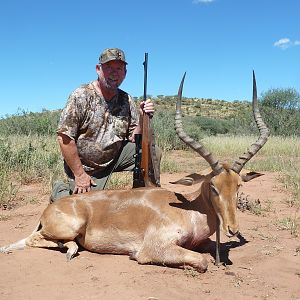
{"x":147,"y":107}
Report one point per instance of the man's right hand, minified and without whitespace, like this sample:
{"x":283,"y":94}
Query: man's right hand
{"x":83,"y":183}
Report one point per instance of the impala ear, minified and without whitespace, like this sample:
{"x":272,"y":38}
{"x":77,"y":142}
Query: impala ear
{"x":190,"y":179}
{"x":250,"y":175}
{"x":183,"y":181}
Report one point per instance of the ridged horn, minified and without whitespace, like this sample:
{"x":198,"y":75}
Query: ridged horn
{"x":263,"y":137}
{"x":198,"y":147}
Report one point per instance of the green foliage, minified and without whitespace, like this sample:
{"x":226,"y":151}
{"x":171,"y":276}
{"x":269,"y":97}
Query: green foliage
{"x":27,"y":123}
{"x":195,"y":126}
{"x":282,"y":122}
{"x":281,"y":111}
{"x":281,"y":99}
{"x":163,"y":126}
{"x":210,"y":126}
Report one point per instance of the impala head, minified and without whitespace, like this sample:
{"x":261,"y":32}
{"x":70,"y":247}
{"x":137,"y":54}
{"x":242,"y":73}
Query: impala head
{"x":223,"y":190}
{"x":225,"y":180}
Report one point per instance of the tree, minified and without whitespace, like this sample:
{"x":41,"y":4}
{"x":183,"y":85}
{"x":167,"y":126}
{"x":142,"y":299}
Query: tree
{"x":281,"y":110}
{"x":278,"y":98}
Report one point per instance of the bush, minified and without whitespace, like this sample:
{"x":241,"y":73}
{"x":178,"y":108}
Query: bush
{"x":44,"y":123}
{"x":281,"y":111}
{"x":165,"y":135}
{"x":282,"y":122}
{"x":209,"y":126}
{"x":281,"y":99}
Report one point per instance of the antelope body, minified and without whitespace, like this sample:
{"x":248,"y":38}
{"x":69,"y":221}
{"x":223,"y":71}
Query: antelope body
{"x":151,"y":225}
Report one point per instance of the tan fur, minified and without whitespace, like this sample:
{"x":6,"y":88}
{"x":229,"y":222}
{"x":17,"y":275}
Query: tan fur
{"x":151,"y":225}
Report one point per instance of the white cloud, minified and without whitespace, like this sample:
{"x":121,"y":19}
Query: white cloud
{"x":285,"y":43}
{"x":202,"y":1}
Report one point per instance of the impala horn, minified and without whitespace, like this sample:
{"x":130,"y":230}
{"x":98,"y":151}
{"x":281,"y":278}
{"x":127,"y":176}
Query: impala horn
{"x":198,"y":147}
{"x":263,"y":137}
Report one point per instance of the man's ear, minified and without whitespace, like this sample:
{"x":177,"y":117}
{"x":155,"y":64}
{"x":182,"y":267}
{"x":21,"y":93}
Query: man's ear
{"x":98,"y":66}
{"x":250,"y":175}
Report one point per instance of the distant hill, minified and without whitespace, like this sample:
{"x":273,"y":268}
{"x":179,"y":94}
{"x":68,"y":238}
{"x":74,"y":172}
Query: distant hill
{"x":211,"y":116}
{"x":215,"y":109}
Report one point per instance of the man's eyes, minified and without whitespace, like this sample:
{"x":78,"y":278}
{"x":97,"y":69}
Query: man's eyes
{"x":109,"y":69}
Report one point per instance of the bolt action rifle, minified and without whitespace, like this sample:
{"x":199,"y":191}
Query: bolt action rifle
{"x":144,"y":174}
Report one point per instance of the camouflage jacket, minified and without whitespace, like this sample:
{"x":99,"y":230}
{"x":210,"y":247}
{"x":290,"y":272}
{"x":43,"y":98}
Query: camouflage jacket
{"x":98,"y":126}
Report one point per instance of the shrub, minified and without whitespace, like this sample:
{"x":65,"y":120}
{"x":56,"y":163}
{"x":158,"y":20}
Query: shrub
{"x":281,"y":99}
{"x":281,"y":111}
{"x":44,"y":123}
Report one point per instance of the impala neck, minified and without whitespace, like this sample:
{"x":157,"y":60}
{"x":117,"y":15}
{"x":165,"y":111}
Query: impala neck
{"x":202,"y":203}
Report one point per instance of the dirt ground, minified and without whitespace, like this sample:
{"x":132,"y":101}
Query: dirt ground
{"x":265,"y":265}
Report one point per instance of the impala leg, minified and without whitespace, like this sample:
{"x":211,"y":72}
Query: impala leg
{"x":173,"y":256}
{"x":19,"y":245}
{"x":181,"y":257}
{"x":36,"y":239}
{"x":72,"y":249}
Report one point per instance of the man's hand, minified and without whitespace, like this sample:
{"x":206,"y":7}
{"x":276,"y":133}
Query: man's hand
{"x":83,"y":183}
{"x":147,"y":107}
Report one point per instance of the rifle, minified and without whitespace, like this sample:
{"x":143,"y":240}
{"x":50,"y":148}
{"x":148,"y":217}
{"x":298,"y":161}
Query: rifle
{"x":143,"y":162}
{"x":138,"y":177}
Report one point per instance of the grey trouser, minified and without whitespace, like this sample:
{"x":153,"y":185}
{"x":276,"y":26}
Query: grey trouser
{"x":124,"y":162}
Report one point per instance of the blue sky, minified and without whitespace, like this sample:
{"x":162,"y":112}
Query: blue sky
{"x":48,"y":48}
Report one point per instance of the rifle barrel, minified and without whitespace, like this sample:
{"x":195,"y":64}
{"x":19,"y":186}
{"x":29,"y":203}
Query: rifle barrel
{"x":145,"y":63}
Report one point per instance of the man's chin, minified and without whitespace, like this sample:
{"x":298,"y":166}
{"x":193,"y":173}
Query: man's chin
{"x":112,"y":86}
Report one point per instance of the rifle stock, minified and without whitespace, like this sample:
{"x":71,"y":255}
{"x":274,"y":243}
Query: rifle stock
{"x":146,"y":151}
{"x":138,"y":176}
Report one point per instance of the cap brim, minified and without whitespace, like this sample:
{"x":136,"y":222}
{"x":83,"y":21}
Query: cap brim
{"x":107,"y":60}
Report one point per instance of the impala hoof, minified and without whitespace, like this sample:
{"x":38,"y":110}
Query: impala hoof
{"x":5,"y":250}
{"x":202,"y":266}
{"x":69,"y":256}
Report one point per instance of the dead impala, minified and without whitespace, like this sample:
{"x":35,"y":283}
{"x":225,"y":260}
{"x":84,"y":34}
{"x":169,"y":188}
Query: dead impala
{"x":151,"y":225}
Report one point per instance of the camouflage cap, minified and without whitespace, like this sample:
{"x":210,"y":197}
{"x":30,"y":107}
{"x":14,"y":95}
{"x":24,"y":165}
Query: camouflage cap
{"x":112,"y":54}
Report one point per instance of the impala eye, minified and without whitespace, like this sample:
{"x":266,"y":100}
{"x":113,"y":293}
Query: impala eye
{"x":213,"y":189}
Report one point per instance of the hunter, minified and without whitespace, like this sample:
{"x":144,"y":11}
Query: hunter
{"x":97,"y":127}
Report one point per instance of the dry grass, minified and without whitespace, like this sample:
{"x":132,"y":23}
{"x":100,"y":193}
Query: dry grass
{"x":27,"y":159}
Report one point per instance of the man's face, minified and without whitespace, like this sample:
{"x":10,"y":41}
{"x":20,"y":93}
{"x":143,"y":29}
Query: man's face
{"x":112,"y":74}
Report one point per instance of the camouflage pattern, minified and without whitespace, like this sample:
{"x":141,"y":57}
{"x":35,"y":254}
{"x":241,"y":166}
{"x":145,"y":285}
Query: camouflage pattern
{"x":112,"y":54}
{"x":98,"y":127}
